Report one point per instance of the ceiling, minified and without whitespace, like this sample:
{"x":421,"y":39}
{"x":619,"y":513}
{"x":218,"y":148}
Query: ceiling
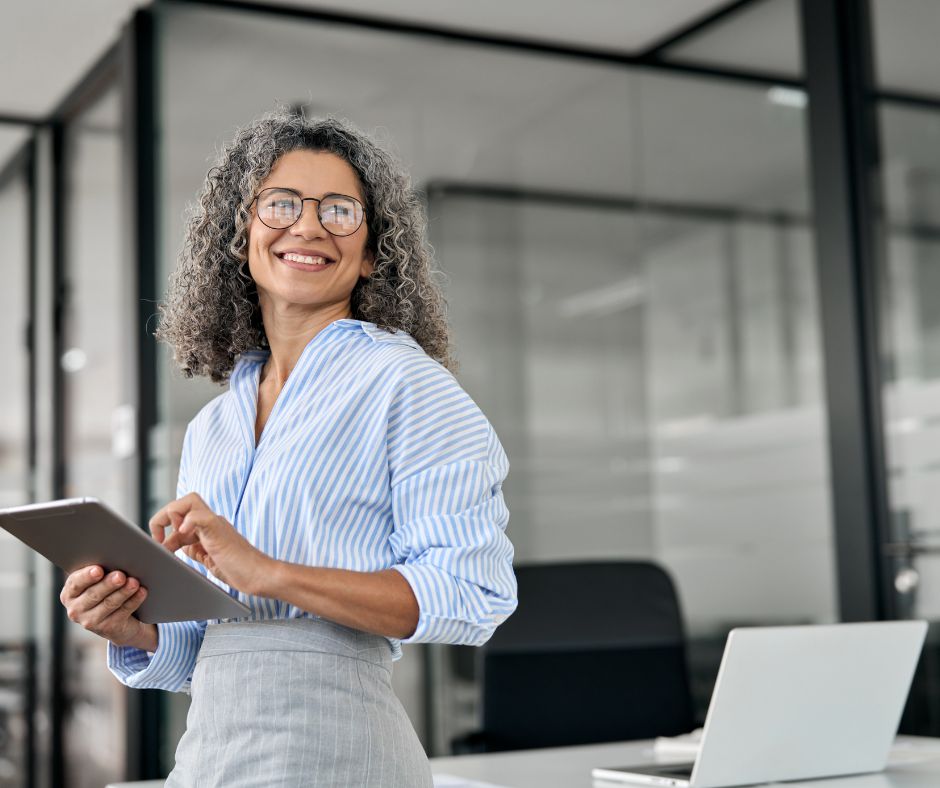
{"x":760,"y":35}
{"x":84,"y":30}
{"x":612,"y":25}
{"x":49,"y":60}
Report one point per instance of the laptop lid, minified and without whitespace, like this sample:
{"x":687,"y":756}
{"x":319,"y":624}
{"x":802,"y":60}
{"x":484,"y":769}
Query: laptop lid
{"x":804,"y":702}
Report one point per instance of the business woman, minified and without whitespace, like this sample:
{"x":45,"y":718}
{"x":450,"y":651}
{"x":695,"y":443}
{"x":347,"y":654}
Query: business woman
{"x":344,"y":487}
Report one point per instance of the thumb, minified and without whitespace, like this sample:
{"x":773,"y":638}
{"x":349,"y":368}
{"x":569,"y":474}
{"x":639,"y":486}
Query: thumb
{"x":192,"y":528}
{"x":203,"y":529}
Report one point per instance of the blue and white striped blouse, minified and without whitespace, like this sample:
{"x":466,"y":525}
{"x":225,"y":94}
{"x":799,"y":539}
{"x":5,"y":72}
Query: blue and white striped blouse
{"x":373,"y":457}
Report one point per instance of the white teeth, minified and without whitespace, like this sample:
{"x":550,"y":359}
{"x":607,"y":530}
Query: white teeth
{"x":305,"y":259}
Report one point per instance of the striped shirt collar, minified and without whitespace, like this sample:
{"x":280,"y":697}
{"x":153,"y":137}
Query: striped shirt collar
{"x":245,"y":377}
{"x":370,"y":330}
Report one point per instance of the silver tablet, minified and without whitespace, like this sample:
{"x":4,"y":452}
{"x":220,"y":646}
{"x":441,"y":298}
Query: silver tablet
{"x":76,"y":532}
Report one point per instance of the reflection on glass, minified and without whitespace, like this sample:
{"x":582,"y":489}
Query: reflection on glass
{"x":911,"y":178}
{"x":16,"y":622}
{"x":910,"y":141}
{"x":656,"y":381}
{"x":12,"y":140}
{"x":762,"y":36}
{"x":98,"y":367}
{"x":738,"y":452}
{"x":905,"y":41}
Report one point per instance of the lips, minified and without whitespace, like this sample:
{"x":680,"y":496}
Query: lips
{"x":305,"y":253}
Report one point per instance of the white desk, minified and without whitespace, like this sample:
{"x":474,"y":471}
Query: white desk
{"x":914,"y":763}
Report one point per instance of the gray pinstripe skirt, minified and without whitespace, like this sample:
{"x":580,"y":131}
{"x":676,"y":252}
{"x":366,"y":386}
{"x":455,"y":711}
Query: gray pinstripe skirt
{"x":296,"y":702}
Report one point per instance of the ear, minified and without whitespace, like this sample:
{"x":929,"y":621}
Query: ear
{"x":368,"y":264}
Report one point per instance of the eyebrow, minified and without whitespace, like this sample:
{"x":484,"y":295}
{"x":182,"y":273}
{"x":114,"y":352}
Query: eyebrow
{"x":301,"y":194}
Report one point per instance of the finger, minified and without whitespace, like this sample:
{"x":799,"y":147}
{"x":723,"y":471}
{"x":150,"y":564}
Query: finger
{"x":194,"y":550}
{"x":95,"y":594}
{"x":170,"y":515}
{"x":182,"y":534}
{"x":187,"y":532}
{"x":110,"y":604}
{"x":197,"y":553}
{"x":195,"y":502}
{"x":77,"y":581}
{"x":129,"y":606}
{"x":158,"y":522}
{"x":175,"y":541}
{"x":192,"y":520}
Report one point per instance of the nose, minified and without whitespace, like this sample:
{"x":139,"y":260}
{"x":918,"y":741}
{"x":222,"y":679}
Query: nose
{"x":308,"y":225}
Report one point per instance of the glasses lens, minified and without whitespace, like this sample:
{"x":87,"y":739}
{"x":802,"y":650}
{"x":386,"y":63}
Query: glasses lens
{"x":279,"y":208}
{"x":340,"y":215}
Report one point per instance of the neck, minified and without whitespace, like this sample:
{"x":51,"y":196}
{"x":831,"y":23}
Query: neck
{"x":289,"y":333}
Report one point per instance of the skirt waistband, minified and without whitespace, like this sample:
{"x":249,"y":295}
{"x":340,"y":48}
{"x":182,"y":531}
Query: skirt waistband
{"x":295,"y":634}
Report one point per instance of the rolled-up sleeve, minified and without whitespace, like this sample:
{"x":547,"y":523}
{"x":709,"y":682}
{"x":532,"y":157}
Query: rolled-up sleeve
{"x":171,"y":666}
{"x":447,"y":469}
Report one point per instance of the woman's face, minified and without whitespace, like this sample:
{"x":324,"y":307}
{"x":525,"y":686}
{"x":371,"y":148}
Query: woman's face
{"x":293,"y":284}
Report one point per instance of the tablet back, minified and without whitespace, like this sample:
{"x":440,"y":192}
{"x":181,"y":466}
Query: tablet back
{"x":76,"y":532}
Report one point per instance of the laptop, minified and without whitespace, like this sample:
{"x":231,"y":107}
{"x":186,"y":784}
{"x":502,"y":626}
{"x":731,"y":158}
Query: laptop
{"x":797,"y":703}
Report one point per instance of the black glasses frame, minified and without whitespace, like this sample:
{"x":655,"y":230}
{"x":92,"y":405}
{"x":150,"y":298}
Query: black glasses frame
{"x":362,"y":210}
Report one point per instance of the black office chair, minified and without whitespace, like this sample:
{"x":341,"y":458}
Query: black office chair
{"x":595,"y":652}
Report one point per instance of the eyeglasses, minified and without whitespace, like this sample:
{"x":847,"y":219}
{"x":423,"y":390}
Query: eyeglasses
{"x":279,"y":208}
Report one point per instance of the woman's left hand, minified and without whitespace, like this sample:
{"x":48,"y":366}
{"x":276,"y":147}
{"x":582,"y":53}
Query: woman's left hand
{"x":212,"y":541}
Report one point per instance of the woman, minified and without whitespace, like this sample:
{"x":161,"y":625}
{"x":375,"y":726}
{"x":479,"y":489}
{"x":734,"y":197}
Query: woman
{"x":345,"y":487}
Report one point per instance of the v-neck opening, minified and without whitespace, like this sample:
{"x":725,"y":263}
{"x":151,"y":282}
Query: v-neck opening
{"x":255,"y":392}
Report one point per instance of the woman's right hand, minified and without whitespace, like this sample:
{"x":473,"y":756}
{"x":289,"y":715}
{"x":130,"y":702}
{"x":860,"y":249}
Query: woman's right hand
{"x":105,"y":606}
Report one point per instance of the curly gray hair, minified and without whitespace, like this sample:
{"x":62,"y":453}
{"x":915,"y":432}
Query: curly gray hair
{"x":211,"y":313}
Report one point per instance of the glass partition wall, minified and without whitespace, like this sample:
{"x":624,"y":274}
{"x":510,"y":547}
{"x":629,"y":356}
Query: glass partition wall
{"x":632,"y":293}
{"x":18,"y":636}
{"x":67,"y":425}
{"x":98,"y":369}
{"x":909,"y":124}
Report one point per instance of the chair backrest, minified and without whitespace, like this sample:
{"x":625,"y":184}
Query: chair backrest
{"x":595,"y":652}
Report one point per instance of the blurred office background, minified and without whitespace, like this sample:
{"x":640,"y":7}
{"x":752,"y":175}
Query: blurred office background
{"x":629,"y":202}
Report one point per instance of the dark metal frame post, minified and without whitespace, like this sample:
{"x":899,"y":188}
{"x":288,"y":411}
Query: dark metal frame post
{"x":23,"y":166}
{"x":92,"y":84}
{"x":32,"y":256}
{"x":57,"y":614}
{"x":849,"y":250}
{"x":144,"y":707}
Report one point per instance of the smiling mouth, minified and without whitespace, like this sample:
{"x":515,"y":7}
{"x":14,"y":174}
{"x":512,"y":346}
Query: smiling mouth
{"x":305,"y":259}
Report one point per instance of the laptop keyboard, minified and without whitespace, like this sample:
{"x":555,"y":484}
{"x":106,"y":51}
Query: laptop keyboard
{"x":681,"y":770}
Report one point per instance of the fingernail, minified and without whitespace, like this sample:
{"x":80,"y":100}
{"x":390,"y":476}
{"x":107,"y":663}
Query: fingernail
{"x":96,"y":572}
